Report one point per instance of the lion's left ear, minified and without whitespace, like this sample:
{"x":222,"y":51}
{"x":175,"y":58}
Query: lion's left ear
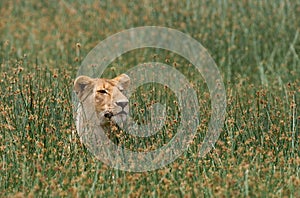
{"x":82,"y":85}
{"x":123,"y":81}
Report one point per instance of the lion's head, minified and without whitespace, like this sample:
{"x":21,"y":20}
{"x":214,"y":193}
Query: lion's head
{"x":102,"y":99}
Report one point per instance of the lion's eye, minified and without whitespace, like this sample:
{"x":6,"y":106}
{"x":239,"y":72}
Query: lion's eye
{"x":103,"y":91}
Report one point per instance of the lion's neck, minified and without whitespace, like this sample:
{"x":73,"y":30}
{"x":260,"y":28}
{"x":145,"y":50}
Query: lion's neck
{"x":88,"y":123}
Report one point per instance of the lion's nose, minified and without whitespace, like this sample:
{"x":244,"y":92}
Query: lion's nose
{"x":108,"y":114}
{"x":122,"y":104}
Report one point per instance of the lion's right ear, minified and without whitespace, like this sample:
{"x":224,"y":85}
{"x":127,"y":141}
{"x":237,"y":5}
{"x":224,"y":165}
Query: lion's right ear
{"x":123,"y":81}
{"x":82,"y":84}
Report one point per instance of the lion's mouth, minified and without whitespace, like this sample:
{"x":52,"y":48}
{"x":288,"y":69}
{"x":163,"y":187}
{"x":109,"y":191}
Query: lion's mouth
{"x":109,"y":115}
{"x":121,"y":112}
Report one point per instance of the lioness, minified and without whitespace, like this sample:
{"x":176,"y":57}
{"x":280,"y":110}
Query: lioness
{"x":100,"y":102}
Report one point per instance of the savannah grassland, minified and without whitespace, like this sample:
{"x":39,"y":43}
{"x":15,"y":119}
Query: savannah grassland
{"x":256,"y":45}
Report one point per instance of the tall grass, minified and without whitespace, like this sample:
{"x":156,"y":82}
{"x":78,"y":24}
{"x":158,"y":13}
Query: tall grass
{"x":256,"y":45}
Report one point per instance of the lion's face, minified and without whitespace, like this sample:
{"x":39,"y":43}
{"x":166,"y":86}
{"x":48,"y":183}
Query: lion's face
{"x":104,"y":97}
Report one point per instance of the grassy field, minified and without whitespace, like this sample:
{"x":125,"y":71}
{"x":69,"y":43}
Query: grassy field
{"x":256,"y":45}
